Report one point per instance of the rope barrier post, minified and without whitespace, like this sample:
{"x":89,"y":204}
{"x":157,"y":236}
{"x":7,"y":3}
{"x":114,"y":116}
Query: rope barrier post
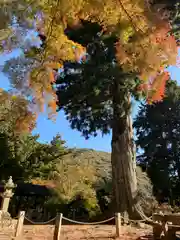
{"x":57,"y":229}
{"x":118,"y":224}
{"x":19,"y":225}
{"x":1,"y":213}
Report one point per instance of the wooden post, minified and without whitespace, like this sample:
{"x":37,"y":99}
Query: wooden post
{"x":157,"y":228}
{"x":57,"y":229}
{"x":19,"y":226}
{"x":118,"y":224}
{"x":1,"y":215}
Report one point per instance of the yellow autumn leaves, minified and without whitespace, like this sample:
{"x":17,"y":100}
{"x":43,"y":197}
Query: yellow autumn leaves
{"x":15,"y":113}
{"x":134,"y":23}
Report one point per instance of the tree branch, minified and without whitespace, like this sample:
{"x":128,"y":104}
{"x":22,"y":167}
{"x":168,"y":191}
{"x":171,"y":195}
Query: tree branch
{"x":129,"y":17}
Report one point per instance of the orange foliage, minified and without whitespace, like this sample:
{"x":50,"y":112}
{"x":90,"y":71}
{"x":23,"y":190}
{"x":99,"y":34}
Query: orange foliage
{"x":155,"y":89}
{"x":41,"y":80}
{"x":150,"y":53}
{"x":25,"y":123}
{"x":145,"y":48}
{"x":52,"y":105}
{"x":41,"y":182}
{"x":16,"y":113}
{"x":51,"y":76}
{"x":166,"y":51}
{"x":79,"y":54}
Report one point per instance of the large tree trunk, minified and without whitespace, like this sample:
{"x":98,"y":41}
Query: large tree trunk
{"x":122,"y":158}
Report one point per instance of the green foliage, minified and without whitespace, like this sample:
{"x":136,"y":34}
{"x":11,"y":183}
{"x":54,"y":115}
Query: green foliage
{"x":81,"y":178}
{"x":118,"y":48}
{"x":145,"y":192}
{"x":16,"y":18}
{"x":26,"y":159}
{"x":170,"y":10}
{"x":91,"y":109}
{"x":175,"y":19}
{"x":75,"y":182}
{"x":16,"y":116}
{"x":98,"y":171}
{"x":40,"y":159}
{"x":21,"y":155}
{"x":157,"y":129}
{"x":132,"y":24}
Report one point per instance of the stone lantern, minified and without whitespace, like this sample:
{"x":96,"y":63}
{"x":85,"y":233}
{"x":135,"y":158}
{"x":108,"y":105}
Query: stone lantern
{"x":7,"y":195}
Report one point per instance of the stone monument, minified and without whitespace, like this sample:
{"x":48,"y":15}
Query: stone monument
{"x":7,"y":195}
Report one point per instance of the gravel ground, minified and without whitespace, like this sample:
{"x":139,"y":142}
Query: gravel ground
{"x":76,"y":232}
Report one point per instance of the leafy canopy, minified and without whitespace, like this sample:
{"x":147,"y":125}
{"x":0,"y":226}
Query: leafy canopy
{"x":88,"y":174}
{"x":143,"y":46}
{"x":21,"y":155}
{"x":15,"y":113}
{"x":158,"y":135}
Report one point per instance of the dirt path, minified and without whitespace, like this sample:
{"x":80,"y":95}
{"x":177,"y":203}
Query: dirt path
{"x":76,"y":232}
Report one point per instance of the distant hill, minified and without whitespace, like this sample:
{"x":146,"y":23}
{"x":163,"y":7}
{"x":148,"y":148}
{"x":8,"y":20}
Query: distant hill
{"x":100,"y":160}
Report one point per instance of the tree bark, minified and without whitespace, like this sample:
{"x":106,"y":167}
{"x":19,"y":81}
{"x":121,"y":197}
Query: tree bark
{"x":122,"y":158}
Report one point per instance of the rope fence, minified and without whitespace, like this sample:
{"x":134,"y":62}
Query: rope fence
{"x":40,"y":223}
{"x":88,"y":223}
{"x":158,"y":221}
{"x":146,"y":219}
{"x":59,"y":218}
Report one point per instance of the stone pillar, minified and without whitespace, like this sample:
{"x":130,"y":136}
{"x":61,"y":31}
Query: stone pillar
{"x":7,"y":195}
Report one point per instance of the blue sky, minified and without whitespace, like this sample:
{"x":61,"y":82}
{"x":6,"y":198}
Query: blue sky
{"x":47,"y":129}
